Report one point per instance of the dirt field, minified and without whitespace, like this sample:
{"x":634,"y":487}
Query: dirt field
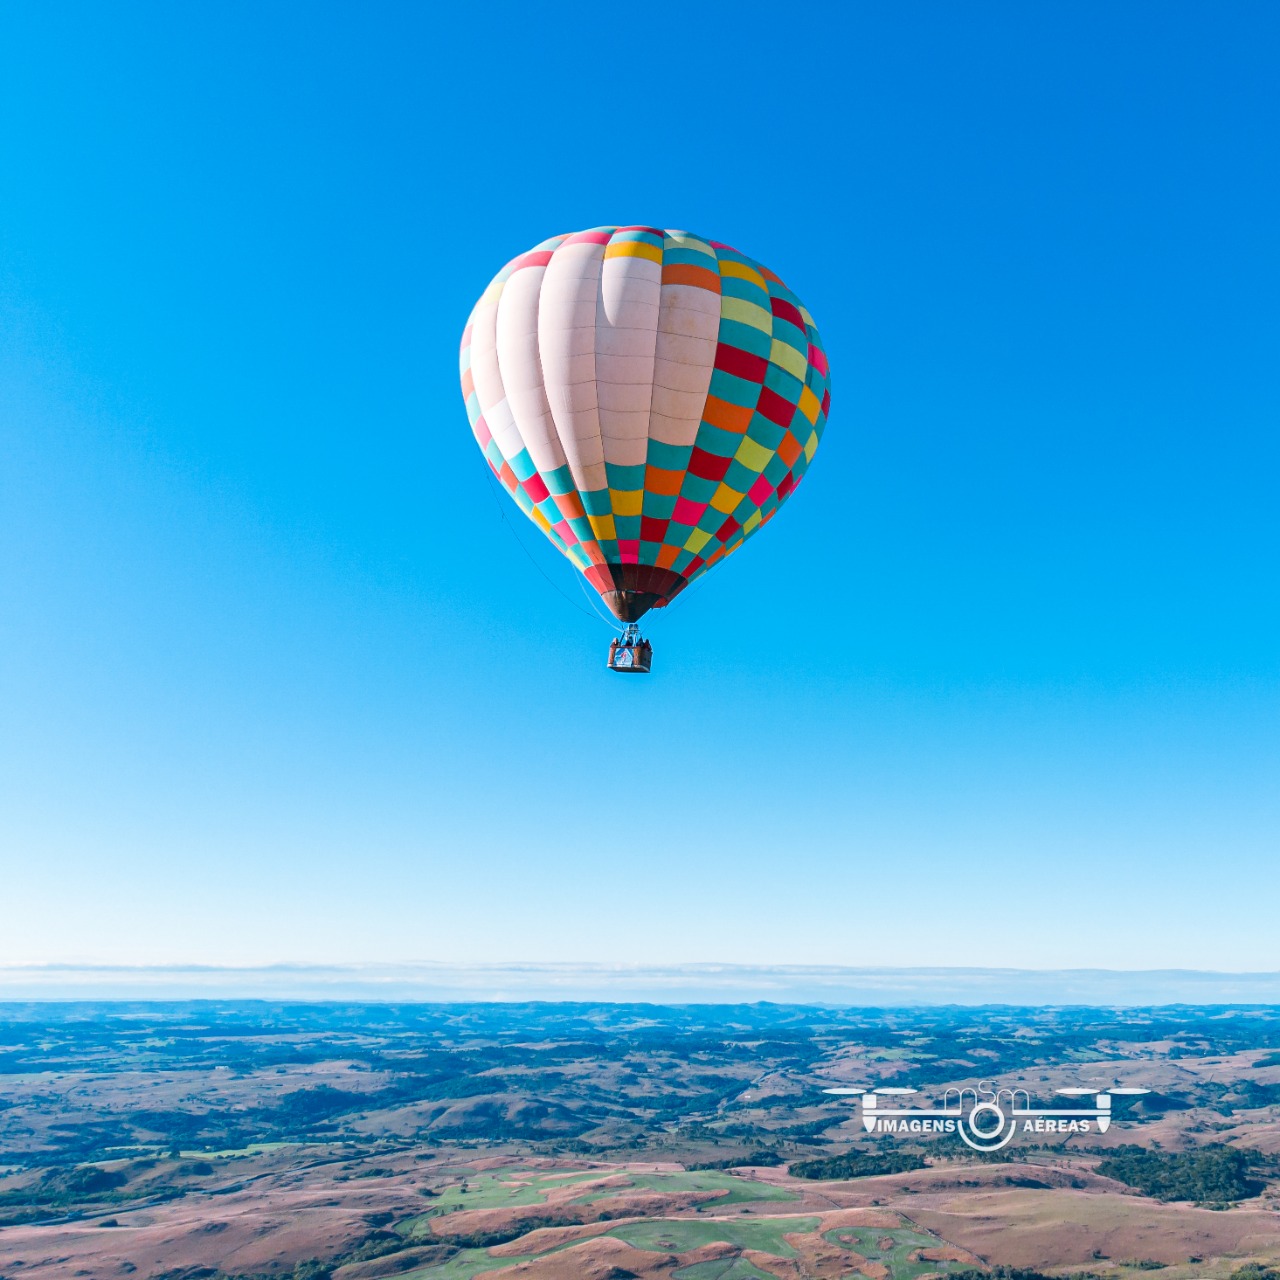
{"x":260,"y":1220}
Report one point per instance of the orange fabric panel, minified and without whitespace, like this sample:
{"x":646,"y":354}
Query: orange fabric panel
{"x":686,"y":273}
{"x":790,"y":449}
{"x":728,"y":417}
{"x":660,"y":480}
{"x":570,"y":505}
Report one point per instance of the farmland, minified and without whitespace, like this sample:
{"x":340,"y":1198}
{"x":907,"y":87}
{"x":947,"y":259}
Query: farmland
{"x":203,"y":1141}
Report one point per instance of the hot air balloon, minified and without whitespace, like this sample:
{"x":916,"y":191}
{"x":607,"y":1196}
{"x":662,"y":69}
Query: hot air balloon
{"x":649,"y":399}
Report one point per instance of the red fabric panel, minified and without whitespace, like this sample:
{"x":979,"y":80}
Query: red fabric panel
{"x":706,"y":466}
{"x":742,"y":364}
{"x":785,"y":311}
{"x":775,"y":408}
{"x":652,"y":529}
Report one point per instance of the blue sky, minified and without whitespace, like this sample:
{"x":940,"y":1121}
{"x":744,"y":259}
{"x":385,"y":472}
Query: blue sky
{"x":1001,"y":686}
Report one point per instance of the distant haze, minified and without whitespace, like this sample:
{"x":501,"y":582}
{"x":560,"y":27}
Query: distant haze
{"x":674,"y":984}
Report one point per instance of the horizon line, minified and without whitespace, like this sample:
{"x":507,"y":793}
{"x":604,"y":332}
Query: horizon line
{"x":600,"y":982}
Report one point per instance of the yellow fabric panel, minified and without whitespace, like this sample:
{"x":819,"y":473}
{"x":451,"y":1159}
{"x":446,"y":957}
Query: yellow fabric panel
{"x":788,"y":358}
{"x":726,"y":499}
{"x":633,"y":249}
{"x":753,"y":456}
{"x":751,"y":521}
{"x":683,"y":240}
{"x":602,"y":527}
{"x":810,"y":405}
{"x":628,"y":503}
{"x":743,"y":272}
{"x":697,"y":540}
{"x":747,"y":313}
{"x":811,"y":446}
{"x":541,"y":521}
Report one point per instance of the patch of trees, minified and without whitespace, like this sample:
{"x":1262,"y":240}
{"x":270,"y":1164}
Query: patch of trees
{"x":809,"y":1129}
{"x":761,"y":1159}
{"x":1251,"y":1094}
{"x":1209,"y":1175}
{"x":75,"y":1144}
{"x":669,"y":1107}
{"x":310,"y":1106}
{"x":504,"y":1235}
{"x":1255,"y":1271}
{"x":79,"y":1183}
{"x":858,"y":1164}
{"x":59,"y":1190}
{"x":1016,"y":1273}
{"x":58,"y":1186}
{"x":310,"y":1269}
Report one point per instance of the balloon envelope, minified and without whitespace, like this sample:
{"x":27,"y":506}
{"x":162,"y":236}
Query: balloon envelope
{"x":648,"y":398}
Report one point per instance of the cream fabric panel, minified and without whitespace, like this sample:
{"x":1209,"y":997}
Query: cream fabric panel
{"x":685,"y":356}
{"x":567,"y":342}
{"x":517,"y":340}
{"x":593,"y":356}
{"x":487,"y":373}
{"x":626,"y":341}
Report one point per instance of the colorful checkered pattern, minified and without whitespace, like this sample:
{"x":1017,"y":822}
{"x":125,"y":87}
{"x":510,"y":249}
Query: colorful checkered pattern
{"x":648,"y":398}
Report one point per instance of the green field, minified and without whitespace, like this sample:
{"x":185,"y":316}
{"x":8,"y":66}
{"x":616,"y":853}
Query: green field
{"x":463,"y":1266}
{"x":513,"y":1188}
{"x":892,"y":1247}
{"x":517,"y":1189}
{"x":738,"y":1190}
{"x":680,"y":1235}
{"x":722,"y":1269}
{"x":669,"y":1235}
{"x":253,"y":1149}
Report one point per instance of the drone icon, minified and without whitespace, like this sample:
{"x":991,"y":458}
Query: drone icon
{"x":986,"y":1117}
